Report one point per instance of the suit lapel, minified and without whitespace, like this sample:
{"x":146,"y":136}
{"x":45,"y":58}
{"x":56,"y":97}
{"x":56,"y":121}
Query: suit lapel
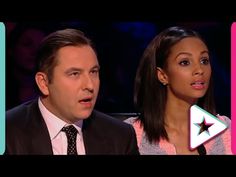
{"x":38,"y":132}
{"x":94,"y":139}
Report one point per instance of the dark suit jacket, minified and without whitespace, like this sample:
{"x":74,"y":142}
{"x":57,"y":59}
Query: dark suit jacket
{"x":27,"y":133}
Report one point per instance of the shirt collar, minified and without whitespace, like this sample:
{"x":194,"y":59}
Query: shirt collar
{"x":54,"y":123}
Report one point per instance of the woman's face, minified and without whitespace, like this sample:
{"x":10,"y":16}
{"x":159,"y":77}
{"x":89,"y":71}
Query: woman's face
{"x":188,"y":69}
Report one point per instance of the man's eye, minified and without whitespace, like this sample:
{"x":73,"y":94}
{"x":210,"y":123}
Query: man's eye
{"x":94,"y":71}
{"x":74,"y":74}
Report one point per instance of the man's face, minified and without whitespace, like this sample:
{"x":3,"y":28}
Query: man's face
{"x":73,"y":91}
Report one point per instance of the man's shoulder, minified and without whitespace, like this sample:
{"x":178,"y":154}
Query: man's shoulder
{"x":104,"y":117}
{"x":20,"y":112}
{"x":108,"y":120}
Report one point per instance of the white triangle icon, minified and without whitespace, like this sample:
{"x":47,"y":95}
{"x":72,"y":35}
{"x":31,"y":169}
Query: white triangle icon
{"x":203,"y":126}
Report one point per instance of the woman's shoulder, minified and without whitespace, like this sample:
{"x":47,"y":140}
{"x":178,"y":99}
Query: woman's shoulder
{"x":221,"y":144}
{"x":131,"y":120}
{"x":225,"y":119}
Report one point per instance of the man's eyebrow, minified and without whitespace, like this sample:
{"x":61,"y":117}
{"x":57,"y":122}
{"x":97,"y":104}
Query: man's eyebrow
{"x":72,"y":69}
{"x":96,"y":67}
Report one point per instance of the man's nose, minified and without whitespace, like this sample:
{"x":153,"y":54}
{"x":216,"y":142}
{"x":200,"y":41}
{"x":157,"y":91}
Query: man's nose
{"x":88,"y":83}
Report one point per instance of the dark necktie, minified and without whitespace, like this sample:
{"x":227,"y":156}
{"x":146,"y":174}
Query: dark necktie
{"x":71,"y":133}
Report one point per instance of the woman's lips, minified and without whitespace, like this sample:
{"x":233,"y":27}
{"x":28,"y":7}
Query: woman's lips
{"x":198,"y":85}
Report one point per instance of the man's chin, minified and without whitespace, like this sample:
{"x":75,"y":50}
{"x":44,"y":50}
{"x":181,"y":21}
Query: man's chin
{"x":84,"y":115}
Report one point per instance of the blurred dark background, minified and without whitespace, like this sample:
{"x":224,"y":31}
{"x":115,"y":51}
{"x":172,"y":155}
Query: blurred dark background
{"x":119,"y":46}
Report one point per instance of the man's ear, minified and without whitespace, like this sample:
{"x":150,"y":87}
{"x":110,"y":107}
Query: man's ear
{"x":162,"y":76}
{"x":42,"y":82}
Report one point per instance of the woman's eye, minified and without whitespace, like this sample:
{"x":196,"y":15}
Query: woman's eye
{"x":184,"y":63}
{"x":205,"y":61}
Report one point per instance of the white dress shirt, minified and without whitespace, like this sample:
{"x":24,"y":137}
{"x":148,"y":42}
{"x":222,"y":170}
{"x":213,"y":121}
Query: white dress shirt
{"x":58,"y":137}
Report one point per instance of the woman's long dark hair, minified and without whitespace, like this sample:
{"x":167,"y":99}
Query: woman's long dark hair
{"x":149,"y":93}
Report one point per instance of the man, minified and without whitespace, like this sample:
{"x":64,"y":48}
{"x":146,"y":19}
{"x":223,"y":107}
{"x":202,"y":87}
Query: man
{"x":62,"y":119}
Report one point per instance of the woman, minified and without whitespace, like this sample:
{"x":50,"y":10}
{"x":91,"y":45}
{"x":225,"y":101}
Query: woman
{"x":174,"y":74}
